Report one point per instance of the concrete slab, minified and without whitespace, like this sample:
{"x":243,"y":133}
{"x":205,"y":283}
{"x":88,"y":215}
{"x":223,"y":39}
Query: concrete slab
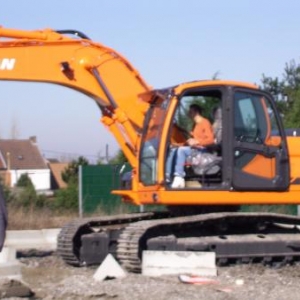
{"x":109,"y":269}
{"x":50,"y":237}
{"x":10,"y":270}
{"x":157,"y":263}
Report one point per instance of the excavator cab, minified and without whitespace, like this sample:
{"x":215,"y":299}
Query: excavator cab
{"x":251,"y":155}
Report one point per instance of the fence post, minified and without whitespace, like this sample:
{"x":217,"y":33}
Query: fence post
{"x":80,"y":191}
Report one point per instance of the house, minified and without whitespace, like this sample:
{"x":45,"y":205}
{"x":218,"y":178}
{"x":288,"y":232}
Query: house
{"x":19,"y":157}
{"x":56,"y":169}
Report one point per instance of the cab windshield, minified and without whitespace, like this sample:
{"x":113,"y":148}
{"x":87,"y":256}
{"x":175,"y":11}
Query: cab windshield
{"x":151,"y":139}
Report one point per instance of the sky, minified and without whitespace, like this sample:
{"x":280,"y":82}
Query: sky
{"x":168,"y":42}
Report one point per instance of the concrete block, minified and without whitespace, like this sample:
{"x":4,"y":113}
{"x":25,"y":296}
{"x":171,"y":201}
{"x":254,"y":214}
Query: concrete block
{"x":32,"y":239}
{"x":109,"y":269}
{"x":157,"y":263}
{"x":10,"y":267}
{"x":8,"y":254}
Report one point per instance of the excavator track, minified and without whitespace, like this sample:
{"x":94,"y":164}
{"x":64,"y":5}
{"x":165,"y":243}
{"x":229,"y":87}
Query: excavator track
{"x":70,"y":238}
{"x":238,"y":237}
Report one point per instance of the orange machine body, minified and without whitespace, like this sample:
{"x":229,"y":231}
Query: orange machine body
{"x":125,"y":100}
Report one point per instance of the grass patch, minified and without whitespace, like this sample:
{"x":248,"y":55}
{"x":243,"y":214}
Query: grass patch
{"x":280,"y":209}
{"x":21,"y":218}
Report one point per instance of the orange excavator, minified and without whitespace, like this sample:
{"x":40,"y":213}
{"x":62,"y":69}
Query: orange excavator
{"x":253,"y":162}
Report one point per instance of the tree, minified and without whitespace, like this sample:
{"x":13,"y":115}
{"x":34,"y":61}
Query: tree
{"x":68,"y":198}
{"x":71,"y":171}
{"x":119,"y":158}
{"x":293,"y":115}
{"x":292,"y":75}
{"x":286,"y":92}
{"x":274,"y":86}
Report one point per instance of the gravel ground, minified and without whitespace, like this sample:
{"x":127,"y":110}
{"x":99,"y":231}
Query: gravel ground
{"x":49,"y":278}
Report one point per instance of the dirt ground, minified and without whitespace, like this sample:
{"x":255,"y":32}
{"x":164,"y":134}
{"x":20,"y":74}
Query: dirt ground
{"x":50,"y":278}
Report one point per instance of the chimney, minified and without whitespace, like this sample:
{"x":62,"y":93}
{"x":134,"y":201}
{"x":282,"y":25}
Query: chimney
{"x":33,"y":139}
{"x":7,"y":173}
{"x":8,"y":160}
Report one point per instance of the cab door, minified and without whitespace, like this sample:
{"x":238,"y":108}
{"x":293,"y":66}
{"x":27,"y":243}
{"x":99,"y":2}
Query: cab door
{"x":260,"y":155}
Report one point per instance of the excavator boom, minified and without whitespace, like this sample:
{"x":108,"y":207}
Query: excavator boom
{"x":78,"y":63}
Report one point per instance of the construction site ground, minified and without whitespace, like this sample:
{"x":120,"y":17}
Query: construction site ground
{"x":50,"y":278}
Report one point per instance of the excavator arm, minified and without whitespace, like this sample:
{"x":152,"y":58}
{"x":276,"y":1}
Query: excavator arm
{"x":90,"y":68}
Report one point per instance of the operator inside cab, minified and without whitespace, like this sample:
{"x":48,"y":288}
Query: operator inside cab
{"x":201,"y":136}
{"x":196,"y":137}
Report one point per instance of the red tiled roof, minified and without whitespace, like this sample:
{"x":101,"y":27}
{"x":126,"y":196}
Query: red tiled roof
{"x":21,"y":154}
{"x":56,"y":170}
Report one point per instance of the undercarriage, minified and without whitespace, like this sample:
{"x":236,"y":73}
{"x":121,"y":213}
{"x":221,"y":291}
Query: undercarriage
{"x":235,"y":237}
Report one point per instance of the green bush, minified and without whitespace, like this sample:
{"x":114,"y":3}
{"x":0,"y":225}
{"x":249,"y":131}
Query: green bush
{"x":24,"y":194}
{"x":67,"y":198}
{"x":5,"y":189}
{"x":24,"y":181}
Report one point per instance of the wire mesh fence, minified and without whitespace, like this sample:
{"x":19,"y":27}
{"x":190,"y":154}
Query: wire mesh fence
{"x":95,"y":185}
